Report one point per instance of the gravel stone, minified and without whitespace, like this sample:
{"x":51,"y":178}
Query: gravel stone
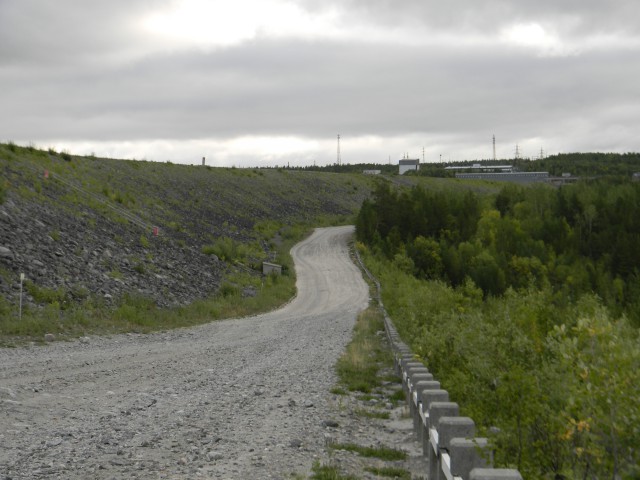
{"x":236,"y":399}
{"x":154,"y":397}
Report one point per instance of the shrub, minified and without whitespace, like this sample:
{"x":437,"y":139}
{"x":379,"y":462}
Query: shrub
{"x":44,"y":294}
{"x":144,"y":241}
{"x":228,"y":290}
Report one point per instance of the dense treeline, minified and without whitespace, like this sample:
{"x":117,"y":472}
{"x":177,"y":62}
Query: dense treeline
{"x":587,"y":165}
{"x":386,"y":168}
{"x":592,"y":164}
{"x":577,"y":239}
{"x":519,"y":303}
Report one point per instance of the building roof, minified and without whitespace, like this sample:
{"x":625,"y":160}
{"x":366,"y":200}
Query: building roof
{"x":477,"y":166}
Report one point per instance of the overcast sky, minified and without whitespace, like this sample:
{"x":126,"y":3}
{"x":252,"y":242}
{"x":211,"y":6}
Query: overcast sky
{"x":266,"y":82}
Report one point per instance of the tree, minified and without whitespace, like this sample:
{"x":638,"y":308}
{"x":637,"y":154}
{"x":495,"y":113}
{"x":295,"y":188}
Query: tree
{"x":425,"y":253}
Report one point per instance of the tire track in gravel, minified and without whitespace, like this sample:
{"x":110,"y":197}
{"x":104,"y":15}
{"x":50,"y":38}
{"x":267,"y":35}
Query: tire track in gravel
{"x":242,"y":398}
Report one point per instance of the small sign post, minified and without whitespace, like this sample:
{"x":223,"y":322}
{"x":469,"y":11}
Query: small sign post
{"x":21,"y":281}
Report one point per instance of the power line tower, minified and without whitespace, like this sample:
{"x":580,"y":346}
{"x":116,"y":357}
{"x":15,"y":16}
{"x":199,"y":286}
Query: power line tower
{"x":517,"y":152}
{"x":339,"y":157}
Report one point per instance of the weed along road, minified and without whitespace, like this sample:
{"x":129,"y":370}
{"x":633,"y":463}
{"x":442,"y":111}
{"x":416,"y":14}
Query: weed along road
{"x":243,"y":398}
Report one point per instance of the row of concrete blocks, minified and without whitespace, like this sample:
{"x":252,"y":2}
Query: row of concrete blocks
{"x":448,"y":440}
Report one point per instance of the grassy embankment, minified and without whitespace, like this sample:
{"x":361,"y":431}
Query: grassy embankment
{"x":243,"y":216}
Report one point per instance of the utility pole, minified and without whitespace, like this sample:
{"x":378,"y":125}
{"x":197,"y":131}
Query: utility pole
{"x":339,"y":158}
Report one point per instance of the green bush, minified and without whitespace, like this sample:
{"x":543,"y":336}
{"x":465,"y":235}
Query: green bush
{"x":45,"y":295}
{"x":558,"y":381}
{"x":230,"y":250}
{"x":228,"y":290}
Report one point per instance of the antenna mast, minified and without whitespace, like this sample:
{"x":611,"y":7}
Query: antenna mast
{"x":494,"y":148}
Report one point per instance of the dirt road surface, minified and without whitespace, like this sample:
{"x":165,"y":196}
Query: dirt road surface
{"x":240,"y":399}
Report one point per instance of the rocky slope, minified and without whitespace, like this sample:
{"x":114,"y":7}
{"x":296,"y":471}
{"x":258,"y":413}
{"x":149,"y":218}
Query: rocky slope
{"x":85,"y":226}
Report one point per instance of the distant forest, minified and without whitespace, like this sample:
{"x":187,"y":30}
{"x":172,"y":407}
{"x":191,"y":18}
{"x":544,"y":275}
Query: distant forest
{"x":578,"y":164}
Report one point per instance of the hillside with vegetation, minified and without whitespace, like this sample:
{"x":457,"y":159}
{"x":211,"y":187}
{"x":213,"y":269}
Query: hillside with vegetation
{"x":113,"y":245}
{"x":524,"y":303}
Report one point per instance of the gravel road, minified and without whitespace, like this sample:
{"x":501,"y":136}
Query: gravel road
{"x":239,"y":399}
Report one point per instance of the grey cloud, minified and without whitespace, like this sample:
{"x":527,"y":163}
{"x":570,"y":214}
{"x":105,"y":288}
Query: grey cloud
{"x":66,"y":30}
{"x":274,"y":88}
{"x":574,"y":16}
{"x":56,"y":80}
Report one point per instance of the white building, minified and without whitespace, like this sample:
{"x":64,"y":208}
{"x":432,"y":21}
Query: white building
{"x":407,"y":165}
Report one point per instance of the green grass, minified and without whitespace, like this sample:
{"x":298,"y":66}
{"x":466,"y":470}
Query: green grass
{"x":134,"y":313}
{"x":392,"y":472}
{"x":327,"y":472}
{"x":379,"y":414}
{"x":397,"y":396}
{"x":358,"y":366}
{"x":139,"y":314}
{"x":383,"y":453}
{"x":43,"y":294}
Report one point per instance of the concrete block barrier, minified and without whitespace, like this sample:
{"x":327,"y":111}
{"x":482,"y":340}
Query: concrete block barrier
{"x":448,"y":440}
